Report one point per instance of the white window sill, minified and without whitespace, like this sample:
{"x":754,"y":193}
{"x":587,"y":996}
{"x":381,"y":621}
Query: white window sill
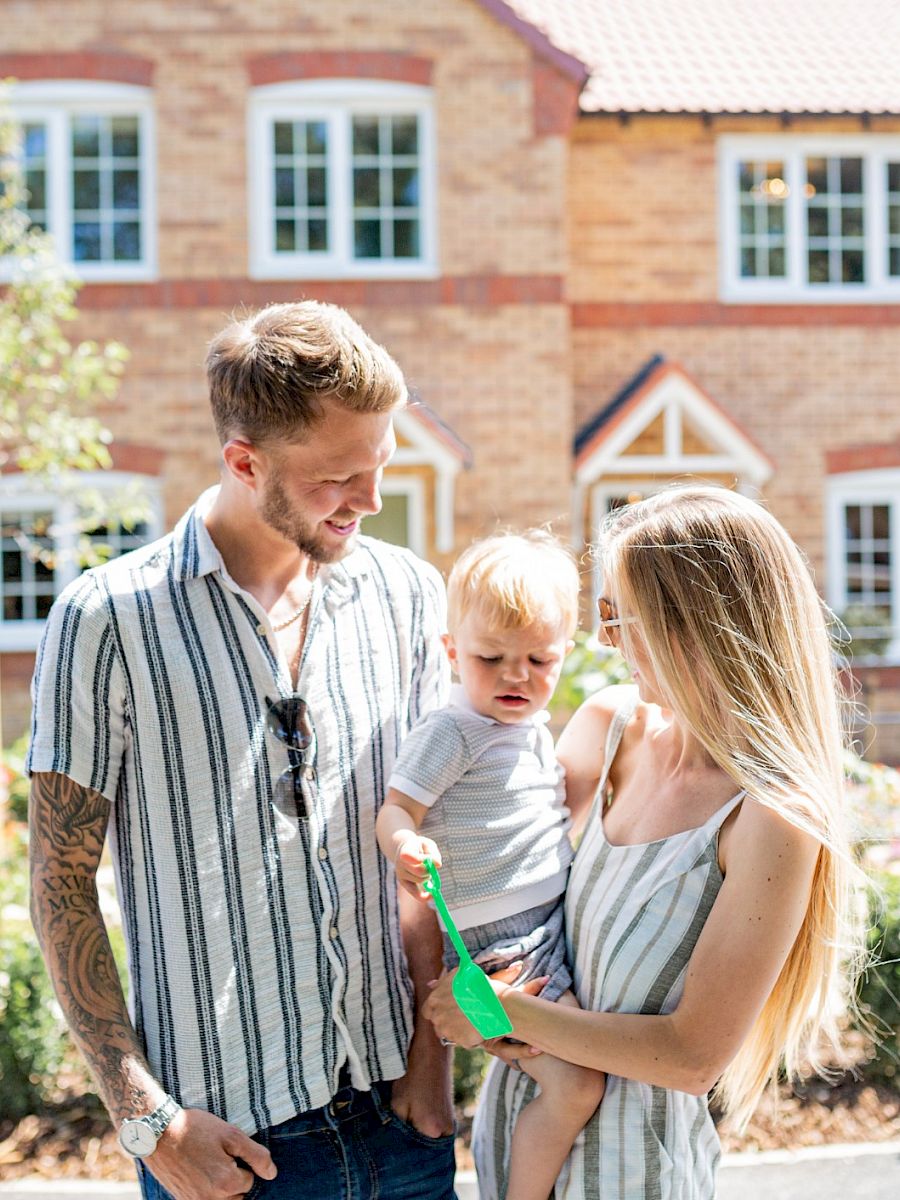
{"x":20,"y":637}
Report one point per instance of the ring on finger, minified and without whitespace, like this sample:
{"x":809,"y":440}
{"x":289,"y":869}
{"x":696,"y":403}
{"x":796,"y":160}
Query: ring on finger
{"x":447,"y":1042}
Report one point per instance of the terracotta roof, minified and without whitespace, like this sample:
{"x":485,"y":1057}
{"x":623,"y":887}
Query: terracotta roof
{"x":729,"y":56}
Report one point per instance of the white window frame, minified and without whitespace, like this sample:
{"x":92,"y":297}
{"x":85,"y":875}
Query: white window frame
{"x":866,"y":488}
{"x":334,"y":101}
{"x":876,"y":150}
{"x":55,"y":103}
{"x":21,"y":493}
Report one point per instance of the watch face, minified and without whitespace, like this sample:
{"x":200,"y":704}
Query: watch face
{"x":137,"y":1138}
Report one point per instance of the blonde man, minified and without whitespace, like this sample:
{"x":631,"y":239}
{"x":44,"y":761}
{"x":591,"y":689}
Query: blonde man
{"x":477,"y":788}
{"x":214,"y":698}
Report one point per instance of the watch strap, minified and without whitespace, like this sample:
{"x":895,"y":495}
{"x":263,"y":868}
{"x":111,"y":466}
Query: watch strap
{"x":159,"y":1119}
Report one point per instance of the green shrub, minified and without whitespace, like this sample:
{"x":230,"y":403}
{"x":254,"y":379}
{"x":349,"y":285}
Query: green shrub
{"x":17,"y":780}
{"x":867,"y":631}
{"x":879,"y":992}
{"x":469,"y":1067}
{"x":589,"y":667}
{"x":33,"y":1041}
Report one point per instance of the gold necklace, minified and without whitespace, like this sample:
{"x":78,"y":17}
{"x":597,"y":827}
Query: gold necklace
{"x":303,"y":607}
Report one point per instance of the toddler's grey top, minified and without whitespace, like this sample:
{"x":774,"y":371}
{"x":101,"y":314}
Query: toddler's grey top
{"x":497,"y":809}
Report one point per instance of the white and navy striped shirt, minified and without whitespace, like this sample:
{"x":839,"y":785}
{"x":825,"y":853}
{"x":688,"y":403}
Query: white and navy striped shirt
{"x":264,"y":950}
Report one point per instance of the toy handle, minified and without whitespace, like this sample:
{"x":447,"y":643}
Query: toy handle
{"x":432,"y":885}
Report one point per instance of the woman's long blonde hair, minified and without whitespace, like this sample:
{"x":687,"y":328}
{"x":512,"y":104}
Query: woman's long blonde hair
{"x":739,"y":642}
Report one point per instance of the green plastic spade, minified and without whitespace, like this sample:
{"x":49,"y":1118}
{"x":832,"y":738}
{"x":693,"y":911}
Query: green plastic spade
{"x":472,"y":990}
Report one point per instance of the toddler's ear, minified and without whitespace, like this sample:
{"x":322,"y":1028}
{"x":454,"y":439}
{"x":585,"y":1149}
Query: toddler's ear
{"x":450,"y":647}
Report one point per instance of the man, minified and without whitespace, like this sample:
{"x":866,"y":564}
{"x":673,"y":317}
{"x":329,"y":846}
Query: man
{"x":229,"y":702}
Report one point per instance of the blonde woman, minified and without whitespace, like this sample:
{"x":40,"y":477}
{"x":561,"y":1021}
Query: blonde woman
{"x":707,"y":911}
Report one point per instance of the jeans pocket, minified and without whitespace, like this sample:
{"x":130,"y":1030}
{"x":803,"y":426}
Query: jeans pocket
{"x":417,"y":1135}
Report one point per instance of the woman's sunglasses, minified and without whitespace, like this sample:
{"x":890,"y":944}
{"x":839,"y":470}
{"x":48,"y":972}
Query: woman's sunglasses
{"x":611,"y":623}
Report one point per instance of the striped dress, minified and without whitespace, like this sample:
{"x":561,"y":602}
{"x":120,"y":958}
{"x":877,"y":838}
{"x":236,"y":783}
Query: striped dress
{"x":633,"y":916}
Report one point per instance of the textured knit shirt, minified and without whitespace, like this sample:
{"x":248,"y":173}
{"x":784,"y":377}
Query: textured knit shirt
{"x":633,"y":916}
{"x":497,"y":809}
{"x":263,"y":948}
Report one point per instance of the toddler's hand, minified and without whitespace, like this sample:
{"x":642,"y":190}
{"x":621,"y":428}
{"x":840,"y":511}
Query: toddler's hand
{"x":411,"y":850}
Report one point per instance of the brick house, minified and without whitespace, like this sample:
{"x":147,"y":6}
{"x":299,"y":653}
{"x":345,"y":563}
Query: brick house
{"x":611,"y":242}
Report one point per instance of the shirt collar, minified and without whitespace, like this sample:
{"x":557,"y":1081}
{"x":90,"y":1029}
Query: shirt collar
{"x":460,"y":700}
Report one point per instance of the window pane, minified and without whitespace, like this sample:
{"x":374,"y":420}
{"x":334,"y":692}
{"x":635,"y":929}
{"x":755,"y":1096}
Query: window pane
{"x":315,"y":137}
{"x":27,"y":580}
{"x":851,"y":175}
{"x":881,"y":522}
{"x":893,"y":172}
{"x":406,"y":187}
{"x":36,"y":187}
{"x":852,"y":521}
{"x":86,"y":190}
{"x":894,"y":261}
{"x":86,"y":137}
{"x":125,"y":137}
{"x":367,"y":239}
{"x":34,"y":140}
{"x":86,"y":242}
{"x":126,"y":241}
{"x":852,"y":222}
{"x":853,"y":266}
{"x":284,"y":137}
{"x":406,"y":239}
{"x":817,"y":174}
{"x":748,"y":263}
{"x":126,"y":189}
{"x":284,"y":236}
{"x":366,"y":189}
{"x":284,"y":187}
{"x":777,"y":264}
{"x":365,"y":136}
{"x":316,"y":186}
{"x":405,"y":135}
{"x":317,"y":233}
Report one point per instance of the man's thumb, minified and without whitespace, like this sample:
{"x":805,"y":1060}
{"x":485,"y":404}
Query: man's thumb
{"x":256,"y":1156}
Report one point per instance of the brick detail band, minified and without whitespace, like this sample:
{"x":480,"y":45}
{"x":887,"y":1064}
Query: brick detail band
{"x":693,"y":314}
{"x":78,"y":64}
{"x":472,"y":291}
{"x":330,"y":64}
{"x":883,"y":456}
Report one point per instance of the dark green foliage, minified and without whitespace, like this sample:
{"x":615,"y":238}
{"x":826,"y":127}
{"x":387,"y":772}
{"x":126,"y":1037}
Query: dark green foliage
{"x":879,"y":993}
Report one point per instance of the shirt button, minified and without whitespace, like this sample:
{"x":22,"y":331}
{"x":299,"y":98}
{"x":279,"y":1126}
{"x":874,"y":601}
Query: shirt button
{"x":323,"y":853}
{"x":260,"y":629}
{"x":333,"y":932}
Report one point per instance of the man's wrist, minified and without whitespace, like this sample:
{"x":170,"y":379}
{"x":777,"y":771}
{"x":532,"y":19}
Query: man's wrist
{"x":139,"y":1136}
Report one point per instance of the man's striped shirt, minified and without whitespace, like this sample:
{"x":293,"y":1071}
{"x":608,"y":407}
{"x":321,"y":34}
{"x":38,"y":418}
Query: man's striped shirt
{"x":263,"y":948}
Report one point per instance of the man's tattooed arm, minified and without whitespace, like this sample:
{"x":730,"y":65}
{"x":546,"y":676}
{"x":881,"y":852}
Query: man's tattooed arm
{"x":67,"y":828}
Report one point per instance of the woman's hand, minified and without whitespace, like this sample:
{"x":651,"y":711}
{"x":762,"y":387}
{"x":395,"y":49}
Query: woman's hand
{"x":445,"y":1014}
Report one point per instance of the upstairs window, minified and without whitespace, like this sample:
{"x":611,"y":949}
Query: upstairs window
{"x":810,"y":219}
{"x":86,"y":162}
{"x":342,"y":180}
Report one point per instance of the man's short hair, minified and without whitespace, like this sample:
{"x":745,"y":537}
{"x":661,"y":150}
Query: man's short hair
{"x":271,"y":373}
{"x":514,"y":580}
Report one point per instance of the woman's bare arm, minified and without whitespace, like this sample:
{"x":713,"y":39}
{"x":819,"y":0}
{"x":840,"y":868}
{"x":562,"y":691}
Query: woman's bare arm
{"x":738,"y":957}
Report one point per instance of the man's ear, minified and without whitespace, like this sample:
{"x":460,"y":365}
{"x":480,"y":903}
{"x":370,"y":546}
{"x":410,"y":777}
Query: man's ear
{"x":245,"y":462}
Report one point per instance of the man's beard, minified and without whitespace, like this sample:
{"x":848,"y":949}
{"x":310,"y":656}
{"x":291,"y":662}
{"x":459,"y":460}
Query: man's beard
{"x":278,"y":512}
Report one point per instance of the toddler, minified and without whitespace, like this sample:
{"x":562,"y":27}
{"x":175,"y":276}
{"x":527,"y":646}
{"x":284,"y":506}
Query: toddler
{"x":477,"y":788}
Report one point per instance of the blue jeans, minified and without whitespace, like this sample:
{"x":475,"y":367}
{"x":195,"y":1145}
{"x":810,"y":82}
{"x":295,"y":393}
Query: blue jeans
{"x":355,"y":1148}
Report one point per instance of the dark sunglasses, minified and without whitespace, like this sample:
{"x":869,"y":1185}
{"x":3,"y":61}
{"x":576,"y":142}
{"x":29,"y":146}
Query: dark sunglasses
{"x":288,"y":720}
{"x":611,"y":623}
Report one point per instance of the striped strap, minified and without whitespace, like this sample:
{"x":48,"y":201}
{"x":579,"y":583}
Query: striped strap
{"x":621,"y":717}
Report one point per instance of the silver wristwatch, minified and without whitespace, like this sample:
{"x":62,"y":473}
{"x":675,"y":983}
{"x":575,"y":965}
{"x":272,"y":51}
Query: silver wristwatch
{"x":138,"y":1137}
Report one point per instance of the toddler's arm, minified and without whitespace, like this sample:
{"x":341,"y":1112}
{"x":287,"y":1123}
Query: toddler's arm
{"x":397,"y":829}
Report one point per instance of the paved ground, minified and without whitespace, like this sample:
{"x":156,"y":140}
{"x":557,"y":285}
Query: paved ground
{"x":832,"y":1173}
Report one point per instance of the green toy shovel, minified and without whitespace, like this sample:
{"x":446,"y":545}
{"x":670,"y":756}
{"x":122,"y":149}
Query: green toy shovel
{"x":472,"y":990}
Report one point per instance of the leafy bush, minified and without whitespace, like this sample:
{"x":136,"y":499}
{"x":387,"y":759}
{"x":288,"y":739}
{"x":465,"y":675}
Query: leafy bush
{"x":16,"y":779}
{"x":588,"y":668}
{"x":869,"y":631}
{"x":469,"y":1067}
{"x":33,"y":1041}
{"x":879,"y":992}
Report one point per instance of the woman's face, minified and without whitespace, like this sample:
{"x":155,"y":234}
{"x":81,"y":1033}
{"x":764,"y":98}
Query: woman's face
{"x":622,"y":631}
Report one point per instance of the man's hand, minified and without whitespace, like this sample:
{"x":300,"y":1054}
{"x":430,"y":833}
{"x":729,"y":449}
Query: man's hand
{"x":200,"y":1157}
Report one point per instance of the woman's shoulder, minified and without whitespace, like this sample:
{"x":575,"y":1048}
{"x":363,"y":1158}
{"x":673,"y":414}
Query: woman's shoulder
{"x":618,"y":698}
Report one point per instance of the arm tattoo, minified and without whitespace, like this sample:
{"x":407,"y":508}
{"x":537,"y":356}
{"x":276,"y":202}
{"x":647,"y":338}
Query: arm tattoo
{"x":67,"y":829}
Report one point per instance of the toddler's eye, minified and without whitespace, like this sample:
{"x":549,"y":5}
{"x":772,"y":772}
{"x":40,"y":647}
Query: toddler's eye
{"x":488,"y":659}
{"x":538,"y":662}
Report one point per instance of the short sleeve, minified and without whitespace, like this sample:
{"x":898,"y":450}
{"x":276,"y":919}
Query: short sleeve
{"x":78,"y":694}
{"x":432,"y":758}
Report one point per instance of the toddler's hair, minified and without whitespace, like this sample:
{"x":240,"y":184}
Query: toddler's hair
{"x":515,"y":580}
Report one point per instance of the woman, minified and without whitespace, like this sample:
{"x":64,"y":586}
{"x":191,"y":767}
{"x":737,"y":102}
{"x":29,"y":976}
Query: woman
{"x":708,"y":905}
